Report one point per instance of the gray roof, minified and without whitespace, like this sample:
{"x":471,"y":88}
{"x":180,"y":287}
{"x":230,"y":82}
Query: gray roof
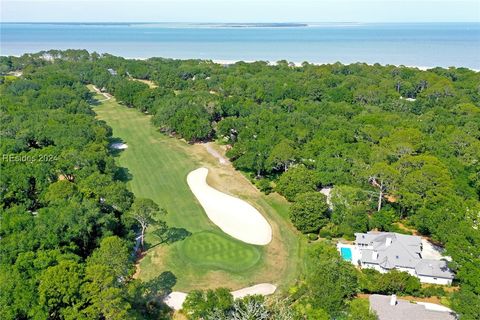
{"x":434,"y":268}
{"x":394,"y":250}
{"x":404,"y":310}
{"x":401,"y":251}
{"x":395,"y":255}
{"x":378,"y":240}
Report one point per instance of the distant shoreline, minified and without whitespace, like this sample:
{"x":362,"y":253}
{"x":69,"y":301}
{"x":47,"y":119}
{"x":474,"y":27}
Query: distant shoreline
{"x":424,"y":45}
{"x":299,"y":64}
{"x":296,"y":63}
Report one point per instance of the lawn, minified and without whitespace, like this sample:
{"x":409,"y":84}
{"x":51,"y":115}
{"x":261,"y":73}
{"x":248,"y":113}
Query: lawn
{"x":156,"y":167}
{"x":209,"y":249}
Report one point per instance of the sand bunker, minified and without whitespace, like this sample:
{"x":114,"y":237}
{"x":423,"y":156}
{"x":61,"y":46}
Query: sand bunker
{"x":119,"y":146}
{"x":263,"y":289}
{"x":175,"y":299}
{"x":233,"y":215}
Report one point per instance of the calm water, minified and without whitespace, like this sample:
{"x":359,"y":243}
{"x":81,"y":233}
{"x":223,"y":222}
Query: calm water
{"x":448,"y":44}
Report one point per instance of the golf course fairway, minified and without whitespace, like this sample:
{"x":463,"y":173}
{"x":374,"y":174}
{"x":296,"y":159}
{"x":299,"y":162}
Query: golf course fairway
{"x":156,"y":166}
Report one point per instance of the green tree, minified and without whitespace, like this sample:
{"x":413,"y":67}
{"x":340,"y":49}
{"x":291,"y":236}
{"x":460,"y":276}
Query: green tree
{"x":59,"y":290}
{"x":423,"y":178}
{"x":200,"y":304}
{"x":295,"y":181}
{"x":144,"y":211}
{"x":330,"y":280}
{"x":282,"y":155}
{"x":383,"y":220}
{"x":309,"y":212}
{"x":105,"y":297}
{"x":350,"y":206}
{"x":126,"y":91}
{"x":114,"y":254}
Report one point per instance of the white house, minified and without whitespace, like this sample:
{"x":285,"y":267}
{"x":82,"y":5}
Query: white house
{"x":384,"y":251}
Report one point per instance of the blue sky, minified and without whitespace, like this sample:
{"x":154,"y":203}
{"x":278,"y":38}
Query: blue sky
{"x":241,"y":10}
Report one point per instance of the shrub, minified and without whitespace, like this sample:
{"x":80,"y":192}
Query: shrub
{"x":264,"y":185}
{"x":312,"y":236}
{"x":331,"y":230}
{"x":395,"y":281}
{"x":431,"y":291}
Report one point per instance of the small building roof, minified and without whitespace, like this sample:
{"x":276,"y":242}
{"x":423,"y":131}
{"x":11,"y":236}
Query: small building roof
{"x":434,"y":268}
{"x":405,"y":310}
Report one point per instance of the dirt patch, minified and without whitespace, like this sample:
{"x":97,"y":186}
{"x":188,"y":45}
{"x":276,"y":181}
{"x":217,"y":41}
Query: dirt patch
{"x":211,"y":148}
{"x":150,"y":83}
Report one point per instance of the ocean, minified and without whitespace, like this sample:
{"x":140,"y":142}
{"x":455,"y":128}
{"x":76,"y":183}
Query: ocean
{"x":413,"y":44}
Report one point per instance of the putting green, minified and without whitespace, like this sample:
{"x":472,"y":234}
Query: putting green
{"x":209,"y":249}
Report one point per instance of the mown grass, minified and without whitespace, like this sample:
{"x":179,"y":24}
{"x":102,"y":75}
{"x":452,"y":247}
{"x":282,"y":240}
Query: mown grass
{"x":156,"y":167}
{"x":209,"y":249}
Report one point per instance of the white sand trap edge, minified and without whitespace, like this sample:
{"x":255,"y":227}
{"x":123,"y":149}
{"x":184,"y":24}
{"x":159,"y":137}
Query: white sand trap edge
{"x":263,"y":289}
{"x":119,"y":146}
{"x":234,"y":216}
{"x":175,"y":299}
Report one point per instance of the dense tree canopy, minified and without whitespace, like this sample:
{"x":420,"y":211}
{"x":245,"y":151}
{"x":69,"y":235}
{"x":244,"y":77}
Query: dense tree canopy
{"x":397,"y":144}
{"x":66,"y":247}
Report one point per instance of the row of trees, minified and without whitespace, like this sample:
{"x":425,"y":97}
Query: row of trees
{"x":68,"y":224}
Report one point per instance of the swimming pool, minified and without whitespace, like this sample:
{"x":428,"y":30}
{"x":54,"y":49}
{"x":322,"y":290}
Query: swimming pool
{"x":346,"y":253}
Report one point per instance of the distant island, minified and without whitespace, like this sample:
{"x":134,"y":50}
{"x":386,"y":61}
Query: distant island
{"x":255,"y":25}
{"x":212,"y":25}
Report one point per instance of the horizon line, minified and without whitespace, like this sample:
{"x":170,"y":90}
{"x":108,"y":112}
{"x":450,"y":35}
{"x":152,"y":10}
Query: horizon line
{"x":240,"y":22}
